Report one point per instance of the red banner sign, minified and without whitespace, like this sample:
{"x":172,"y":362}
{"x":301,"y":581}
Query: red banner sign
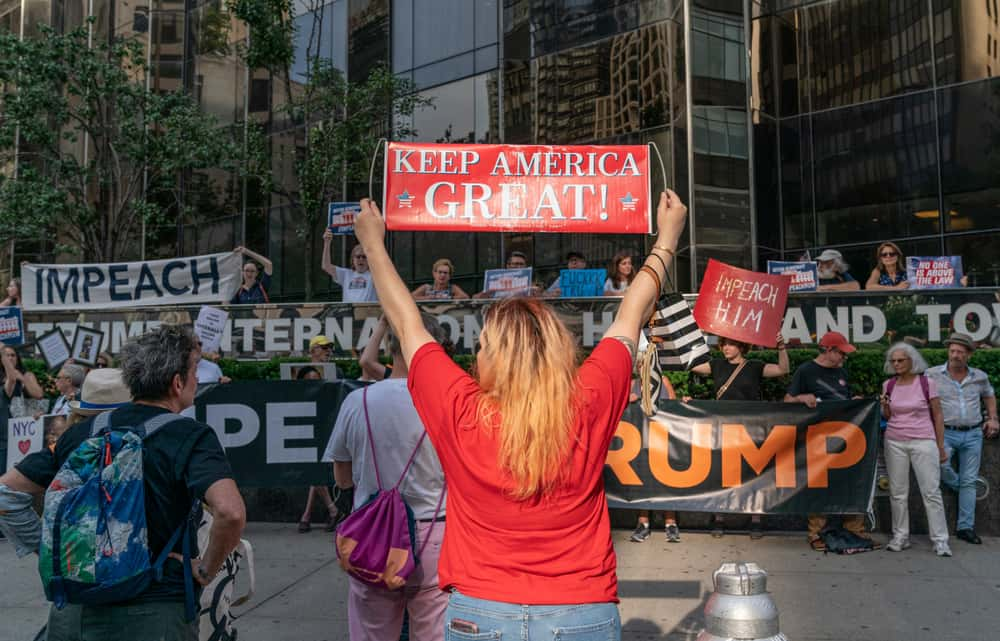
{"x":742,"y":305}
{"x":532,"y":188}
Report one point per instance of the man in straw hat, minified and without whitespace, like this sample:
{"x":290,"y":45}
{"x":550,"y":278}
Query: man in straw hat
{"x":964,"y":391}
{"x":182,"y":461}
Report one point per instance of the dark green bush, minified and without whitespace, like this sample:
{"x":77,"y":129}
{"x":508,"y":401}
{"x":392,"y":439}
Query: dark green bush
{"x":864,"y":366}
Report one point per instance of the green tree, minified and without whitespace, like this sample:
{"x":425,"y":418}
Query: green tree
{"x":336,"y":124}
{"x":89,"y":151}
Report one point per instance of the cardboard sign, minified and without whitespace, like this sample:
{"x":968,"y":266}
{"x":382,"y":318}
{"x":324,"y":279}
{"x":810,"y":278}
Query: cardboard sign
{"x":209,"y":327}
{"x":582,"y":282}
{"x":340,"y":218}
{"x":805,"y":275}
{"x":212,"y":278}
{"x":11,"y":326}
{"x":740,"y":304}
{"x":24,"y":436}
{"x":934,"y":272}
{"x":532,"y":188}
{"x":504,"y":283}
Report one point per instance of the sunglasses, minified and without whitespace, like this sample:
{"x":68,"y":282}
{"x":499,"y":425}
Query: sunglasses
{"x":889,"y":254}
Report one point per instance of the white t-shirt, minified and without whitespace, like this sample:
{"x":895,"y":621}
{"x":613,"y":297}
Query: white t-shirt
{"x":358,"y":287}
{"x":396,"y":428}
{"x":208,"y":372}
{"x":610,"y":289}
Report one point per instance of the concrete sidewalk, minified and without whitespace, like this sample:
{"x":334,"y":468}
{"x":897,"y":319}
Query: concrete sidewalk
{"x":877,"y":596}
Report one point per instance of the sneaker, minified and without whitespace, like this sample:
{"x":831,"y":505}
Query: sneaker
{"x":641,"y":533}
{"x":898,"y":545}
{"x":942,"y":549}
{"x":673,"y":533}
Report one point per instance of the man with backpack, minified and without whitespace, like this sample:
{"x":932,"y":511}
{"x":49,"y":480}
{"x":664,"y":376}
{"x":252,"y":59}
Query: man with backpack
{"x":140,"y":473}
{"x":379,"y":440}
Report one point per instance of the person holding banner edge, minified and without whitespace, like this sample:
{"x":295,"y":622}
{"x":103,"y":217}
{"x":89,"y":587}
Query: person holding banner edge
{"x":736,"y":378}
{"x":504,"y":443}
{"x":253,"y":291}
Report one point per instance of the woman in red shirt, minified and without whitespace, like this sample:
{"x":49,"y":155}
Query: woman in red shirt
{"x":523,"y":444}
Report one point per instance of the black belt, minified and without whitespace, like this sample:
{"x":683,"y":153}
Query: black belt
{"x":961,"y":428}
{"x":437,"y":520}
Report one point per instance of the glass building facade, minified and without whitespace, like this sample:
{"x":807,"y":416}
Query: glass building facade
{"x":789,"y":127}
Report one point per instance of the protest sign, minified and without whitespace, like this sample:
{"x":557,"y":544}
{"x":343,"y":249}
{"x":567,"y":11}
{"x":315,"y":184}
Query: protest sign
{"x":805,"y":275}
{"x":340,"y":218}
{"x":466,"y":187}
{"x":54,"y":348}
{"x":934,"y":272}
{"x":213,"y":278}
{"x":504,"y":283}
{"x":740,"y":304}
{"x":11,"y":326}
{"x":86,"y":346}
{"x":582,"y":282}
{"x":209,"y":327}
{"x":24,"y":436}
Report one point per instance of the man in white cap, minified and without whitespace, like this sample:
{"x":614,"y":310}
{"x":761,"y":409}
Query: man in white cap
{"x":833,"y":274}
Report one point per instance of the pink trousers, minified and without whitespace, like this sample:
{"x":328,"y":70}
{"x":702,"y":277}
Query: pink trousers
{"x":375,"y":614}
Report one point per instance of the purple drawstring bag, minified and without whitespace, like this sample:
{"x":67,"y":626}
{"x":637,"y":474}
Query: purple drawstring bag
{"x":375,"y":543}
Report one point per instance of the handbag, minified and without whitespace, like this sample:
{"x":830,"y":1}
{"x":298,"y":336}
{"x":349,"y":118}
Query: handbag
{"x":375,"y":543}
{"x":679,"y":343}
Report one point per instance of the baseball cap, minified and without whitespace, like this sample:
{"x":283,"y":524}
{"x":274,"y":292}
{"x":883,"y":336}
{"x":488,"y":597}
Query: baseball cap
{"x":836,"y":340}
{"x":319,"y":341}
{"x":830,"y":254}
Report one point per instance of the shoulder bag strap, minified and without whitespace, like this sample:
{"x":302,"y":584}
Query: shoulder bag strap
{"x":371,"y":441}
{"x":732,"y":377}
{"x":406,"y":469}
{"x":101,"y":422}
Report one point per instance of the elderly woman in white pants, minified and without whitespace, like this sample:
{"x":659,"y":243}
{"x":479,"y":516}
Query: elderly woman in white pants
{"x":914,"y":437}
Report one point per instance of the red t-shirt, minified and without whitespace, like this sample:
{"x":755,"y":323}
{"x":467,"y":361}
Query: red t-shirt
{"x":552,"y":551}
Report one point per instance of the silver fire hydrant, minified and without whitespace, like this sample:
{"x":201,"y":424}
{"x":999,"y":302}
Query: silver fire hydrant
{"x":741,"y":609}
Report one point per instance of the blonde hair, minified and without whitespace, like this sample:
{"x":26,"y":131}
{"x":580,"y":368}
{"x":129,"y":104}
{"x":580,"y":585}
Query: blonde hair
{"x":443,"y":262}
{"x":900,"y":259}
{"x":530,"y":385}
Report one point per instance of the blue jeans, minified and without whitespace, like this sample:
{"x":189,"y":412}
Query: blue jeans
{"x":968,"y":447}
{"x":509,"y":622}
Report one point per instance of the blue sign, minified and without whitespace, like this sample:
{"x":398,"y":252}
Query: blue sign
{"x":805,"y":275}
{"x":582,"y":282}
{"x":11,"y":326}
{"x":504,"y":283}
{"x":934,"y":272}
{"x":340,"y":217}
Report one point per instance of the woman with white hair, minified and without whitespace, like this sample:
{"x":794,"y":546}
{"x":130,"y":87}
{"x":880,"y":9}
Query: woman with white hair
{"x":914,"y":437}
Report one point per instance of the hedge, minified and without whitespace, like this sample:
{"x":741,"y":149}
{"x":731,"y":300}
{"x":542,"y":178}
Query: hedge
{"x":864,"y":367}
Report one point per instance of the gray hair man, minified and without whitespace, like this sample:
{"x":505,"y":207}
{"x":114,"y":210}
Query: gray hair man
{"x":68,"y":382}
{"x":964,"y":392}
{"x":182,"y":461}
{"x":396,"y":433}
{"x":833,"y":274}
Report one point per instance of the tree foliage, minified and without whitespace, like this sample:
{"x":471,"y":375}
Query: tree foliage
{"x":96,"y":152}
{"x":335,"y":124}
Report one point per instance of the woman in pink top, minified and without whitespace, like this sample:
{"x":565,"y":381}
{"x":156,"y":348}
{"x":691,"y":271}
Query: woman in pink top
{"x":914,"y":436}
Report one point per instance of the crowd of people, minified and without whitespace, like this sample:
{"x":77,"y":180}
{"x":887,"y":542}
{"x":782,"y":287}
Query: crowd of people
{"x":508,"y":459}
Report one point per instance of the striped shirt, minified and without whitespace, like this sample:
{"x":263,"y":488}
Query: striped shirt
{"x":960,"y":400}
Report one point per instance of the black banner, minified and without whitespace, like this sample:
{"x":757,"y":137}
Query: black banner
{"x":703,"y":456}
{"x":746,"y":457}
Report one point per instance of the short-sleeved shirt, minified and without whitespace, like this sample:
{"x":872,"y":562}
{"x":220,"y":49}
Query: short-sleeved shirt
{"x":180,"y":462}
{"x":358,"y":286}
{"x":553,"y":550}
{"x":911,"y":413}
{"x":610,"y":289}
{"x":746,"y":386}
{"x":208,"y":372}
{"x":825,"y":383}
{"x":396,"y":429}
{"x":256,"y":295}
{"x":961,"y":401}
{"x":839,"y":279}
